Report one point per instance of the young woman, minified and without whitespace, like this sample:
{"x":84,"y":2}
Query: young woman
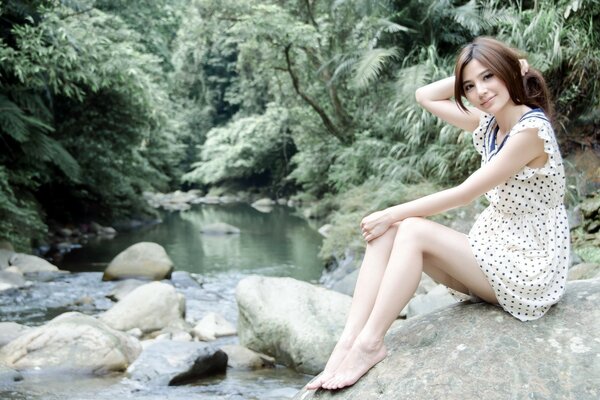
{"x":516,"y":254}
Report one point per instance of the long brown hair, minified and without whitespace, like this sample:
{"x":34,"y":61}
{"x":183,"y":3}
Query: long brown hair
{"x":503,"y":62}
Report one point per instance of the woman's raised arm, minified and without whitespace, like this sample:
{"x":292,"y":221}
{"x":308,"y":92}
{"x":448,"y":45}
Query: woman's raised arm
{"x":436,"y":98}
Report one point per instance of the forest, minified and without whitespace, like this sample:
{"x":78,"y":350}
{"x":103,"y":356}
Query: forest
{"x":102,"y":100}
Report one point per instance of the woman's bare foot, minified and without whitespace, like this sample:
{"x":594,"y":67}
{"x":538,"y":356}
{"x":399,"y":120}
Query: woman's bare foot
{"x":338,"y":354}
{"x":361,"y":358}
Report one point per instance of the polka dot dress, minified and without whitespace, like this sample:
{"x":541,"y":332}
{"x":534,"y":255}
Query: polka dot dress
{"x":521,"y":241}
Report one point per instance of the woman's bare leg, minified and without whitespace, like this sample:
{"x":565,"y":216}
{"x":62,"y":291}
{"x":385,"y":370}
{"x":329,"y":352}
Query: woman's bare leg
{"x":371,"y":271}
{"x":449,"y":251}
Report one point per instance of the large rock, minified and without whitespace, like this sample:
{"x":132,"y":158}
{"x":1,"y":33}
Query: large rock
{"x":293,"y":321}
{"x":28,"y":263}
{"x":478,"y":351}
{"x":73,"y":342}
{"x":174,"y":363}
{"x":142,"y":260}
{"x":9,"y":331}
{"x":150,"y":307}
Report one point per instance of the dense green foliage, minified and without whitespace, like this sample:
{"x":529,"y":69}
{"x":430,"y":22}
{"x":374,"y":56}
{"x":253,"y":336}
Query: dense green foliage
{"x":100,"y":100}
{"x":84,"y":121}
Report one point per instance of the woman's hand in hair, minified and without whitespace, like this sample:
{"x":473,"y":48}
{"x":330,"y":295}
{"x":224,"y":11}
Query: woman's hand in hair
{"x":524,"y":66}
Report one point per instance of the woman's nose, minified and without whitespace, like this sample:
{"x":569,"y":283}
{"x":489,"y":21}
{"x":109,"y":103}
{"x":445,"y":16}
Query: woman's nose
{"x":481,"y":89}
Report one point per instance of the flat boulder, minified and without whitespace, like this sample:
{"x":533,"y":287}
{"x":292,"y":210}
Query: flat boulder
{"x":168,"y":362}
{"x":473,"y":351}
{"x":293,"y":321}
{"x":142,"y":260}
{"x":149,"y":307}
{"x":72,"y":342}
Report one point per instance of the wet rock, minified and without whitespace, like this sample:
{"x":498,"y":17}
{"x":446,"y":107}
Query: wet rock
{"x":293,"y":321}
{"x":73,"y":342}
{"x":213,"y":326}
{"x":28,"y":263}
{"x":219,"y":228}
{"x":241,"y":357}
{"x":175,"y":363}
{"x":123,"y":288}
{"x":11,"y":280}
{"x":9,"y":331}
{"x":437,"y":298}
{"x":479,"y":351}
{"x":584,"y":271}
{"x":150,"y":307}
{"x":9,"y":375}
{"x":142,"y":260}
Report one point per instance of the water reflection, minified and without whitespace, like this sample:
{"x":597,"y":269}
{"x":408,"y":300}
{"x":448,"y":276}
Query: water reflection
{"x":278,"y":243}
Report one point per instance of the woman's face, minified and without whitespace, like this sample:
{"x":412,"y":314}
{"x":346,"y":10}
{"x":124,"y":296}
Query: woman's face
{"x":483,"y":89}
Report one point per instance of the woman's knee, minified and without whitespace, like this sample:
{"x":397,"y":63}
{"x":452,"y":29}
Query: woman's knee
{"x":412,"y":229}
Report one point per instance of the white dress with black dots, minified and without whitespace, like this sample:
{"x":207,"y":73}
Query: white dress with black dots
{"x":521,"y":241}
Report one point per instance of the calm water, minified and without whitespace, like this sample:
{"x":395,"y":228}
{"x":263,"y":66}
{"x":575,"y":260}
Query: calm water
{"x":275,"y":244}
{"x":278,"y":243}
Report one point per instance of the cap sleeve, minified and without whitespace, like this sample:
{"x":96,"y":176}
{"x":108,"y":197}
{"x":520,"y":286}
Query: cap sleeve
{"x":546,"y":133}
{"x":480,"y":132}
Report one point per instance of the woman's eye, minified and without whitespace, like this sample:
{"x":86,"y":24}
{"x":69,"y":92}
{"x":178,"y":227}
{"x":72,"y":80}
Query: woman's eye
{"x":468,"y":87}
{"x":487,"y":76}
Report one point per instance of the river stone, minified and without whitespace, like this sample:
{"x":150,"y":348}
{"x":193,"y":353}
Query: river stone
{"x":584,"y":271}
{"x":28,"y":263}
{"x":123,"y":288}
{"x":73,"y":342}
{"x":149,"y":307}
{"x":9,"y":331}
{"x":293,"y":321}
{"x":264,"y":202}
{"x":478,"y":351}
{"x":174,"y":363}
{"x":219,"y":228}
{"x":213,"y":326}
{"x":142,"y":260}
{"x":241,"y":357}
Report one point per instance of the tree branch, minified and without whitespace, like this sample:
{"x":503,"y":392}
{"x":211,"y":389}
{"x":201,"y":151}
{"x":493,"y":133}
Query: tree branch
{"x":324,"y":117}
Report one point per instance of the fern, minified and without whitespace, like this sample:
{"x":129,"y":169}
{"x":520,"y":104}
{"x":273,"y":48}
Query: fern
{"x":371,"y":64}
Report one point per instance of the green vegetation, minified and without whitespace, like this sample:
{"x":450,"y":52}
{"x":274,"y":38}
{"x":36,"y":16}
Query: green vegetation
{"x":101,"y":100}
